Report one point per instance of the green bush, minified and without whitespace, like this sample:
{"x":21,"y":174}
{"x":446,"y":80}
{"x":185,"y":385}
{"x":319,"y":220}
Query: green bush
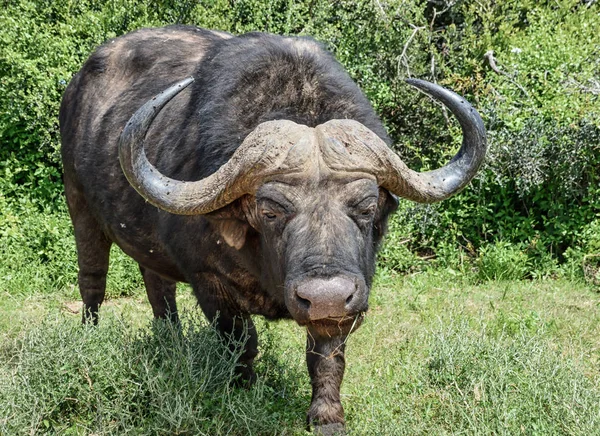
{"x":589,"y":253}
{"x":540,"y":184}
{"x":502,"y":261}
{"x":38,"y":253}
{"x":396,"y":252}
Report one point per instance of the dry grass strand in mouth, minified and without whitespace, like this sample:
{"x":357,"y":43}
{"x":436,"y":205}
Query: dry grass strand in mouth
{"x":339,"y":322}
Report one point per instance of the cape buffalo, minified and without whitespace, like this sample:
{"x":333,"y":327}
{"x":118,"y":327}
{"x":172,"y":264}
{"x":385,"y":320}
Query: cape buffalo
{"x":251,"y":167}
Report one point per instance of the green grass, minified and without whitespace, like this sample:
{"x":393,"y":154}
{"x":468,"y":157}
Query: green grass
{"x":441,"y":352}
{"x":437,"y":355}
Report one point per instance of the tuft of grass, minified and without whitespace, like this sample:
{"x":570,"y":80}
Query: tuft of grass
{"x":453,"y":379}
{"x":502,"y":261}
{"x":61,"y":377}
{"x":507,"y":382}
{"x":437,"y":355}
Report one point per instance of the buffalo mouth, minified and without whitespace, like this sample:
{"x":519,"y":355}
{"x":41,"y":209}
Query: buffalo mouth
{"x":335,"y":326}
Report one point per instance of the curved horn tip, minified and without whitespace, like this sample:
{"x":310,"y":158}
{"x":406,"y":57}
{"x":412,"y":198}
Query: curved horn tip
{"x":433,"y":89}
{"x":186,"y":82}
{"x":419,"y":83}
{"x":458,"y":105}
{"x":455,"y":175}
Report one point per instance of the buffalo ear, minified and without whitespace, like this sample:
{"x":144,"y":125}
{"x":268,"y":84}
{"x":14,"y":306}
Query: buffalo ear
{"x":388,"y":203}
{"x":233,"y":231}
{"x":230,"y":221}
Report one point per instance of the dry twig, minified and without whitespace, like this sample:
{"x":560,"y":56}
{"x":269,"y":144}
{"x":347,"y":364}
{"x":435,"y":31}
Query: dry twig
{"x":489,"y":55}
{"x":403,"y":58}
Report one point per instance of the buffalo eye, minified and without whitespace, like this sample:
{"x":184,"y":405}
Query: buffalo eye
{"x":271,"y":212}
{"x":367,"y":212}
{"x":269,"y":215}
{"x":364,"y":211}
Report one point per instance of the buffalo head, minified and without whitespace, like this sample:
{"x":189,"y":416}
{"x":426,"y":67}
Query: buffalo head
{"x":318,"y":197}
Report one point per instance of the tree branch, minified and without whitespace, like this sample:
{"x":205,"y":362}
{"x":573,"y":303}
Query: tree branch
{"x":489,"y":55}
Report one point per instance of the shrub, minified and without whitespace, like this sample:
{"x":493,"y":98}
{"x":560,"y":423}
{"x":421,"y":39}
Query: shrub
{"x":502,"y":261}
{"x":38,"y":253}
{"x":66,"y":377}
{"x":530,"y":68}
{"x":60,"y":377}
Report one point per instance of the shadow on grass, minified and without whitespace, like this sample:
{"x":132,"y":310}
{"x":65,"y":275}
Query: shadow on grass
{"x":60,"y":377}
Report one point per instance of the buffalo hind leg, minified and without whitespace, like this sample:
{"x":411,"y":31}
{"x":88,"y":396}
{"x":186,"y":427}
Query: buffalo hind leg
{"x":161,"y":293}
{"x":326,"y":363}
{"x":93,"y":250}
{"x":233,"y":326}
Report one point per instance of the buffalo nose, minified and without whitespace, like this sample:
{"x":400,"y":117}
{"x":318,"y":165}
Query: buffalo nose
{"x":326,"y":298}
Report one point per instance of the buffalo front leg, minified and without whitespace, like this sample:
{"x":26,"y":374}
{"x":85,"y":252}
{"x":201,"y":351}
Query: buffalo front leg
{"x":233,"y":326}
{"x":326,"y":363}
{"x":161,"y":293}
{"x":93,"y":250}
{"x":93,"y":267}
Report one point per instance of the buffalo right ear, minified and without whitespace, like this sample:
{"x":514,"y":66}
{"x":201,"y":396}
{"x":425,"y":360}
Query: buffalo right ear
{"x":231,"y":222}
{"x":233,"y":231}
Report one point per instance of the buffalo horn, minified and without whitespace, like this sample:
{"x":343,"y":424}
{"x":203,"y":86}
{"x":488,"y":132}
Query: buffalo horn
{"x":254,"y":160}
{"x":439,"y":184}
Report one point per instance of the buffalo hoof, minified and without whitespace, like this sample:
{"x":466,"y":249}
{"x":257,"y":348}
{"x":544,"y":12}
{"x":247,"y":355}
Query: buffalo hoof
{"x":336,"y":429}
{"x":245,"y":376}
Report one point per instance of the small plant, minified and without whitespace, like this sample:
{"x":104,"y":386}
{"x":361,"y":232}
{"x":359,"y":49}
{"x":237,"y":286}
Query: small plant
{"x":396,"y":253}
{"x":591,"y":268}
{"x":502,"y":261}
{"x":508,"y":382}
{"x":582,"y":261}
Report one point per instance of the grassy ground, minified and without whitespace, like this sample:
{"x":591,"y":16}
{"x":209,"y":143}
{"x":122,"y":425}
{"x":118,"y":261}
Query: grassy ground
{"x":437,"y":355}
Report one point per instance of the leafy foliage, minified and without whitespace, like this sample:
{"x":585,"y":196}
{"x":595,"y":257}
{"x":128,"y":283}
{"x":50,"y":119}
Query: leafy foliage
{"x":502,"y":261}
{"x":530,"y":67}
{"x":37,"y":249}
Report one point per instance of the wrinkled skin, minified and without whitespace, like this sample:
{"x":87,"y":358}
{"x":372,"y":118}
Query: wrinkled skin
{"x":322,"y":230}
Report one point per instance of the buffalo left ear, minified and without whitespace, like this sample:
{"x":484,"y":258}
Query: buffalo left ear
{"x":230,"y":221}
{"x":387,"y":204}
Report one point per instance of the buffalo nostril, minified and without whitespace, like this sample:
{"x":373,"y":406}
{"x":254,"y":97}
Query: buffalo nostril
{"x":303,"y":302}
{"x":349,"y":299}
